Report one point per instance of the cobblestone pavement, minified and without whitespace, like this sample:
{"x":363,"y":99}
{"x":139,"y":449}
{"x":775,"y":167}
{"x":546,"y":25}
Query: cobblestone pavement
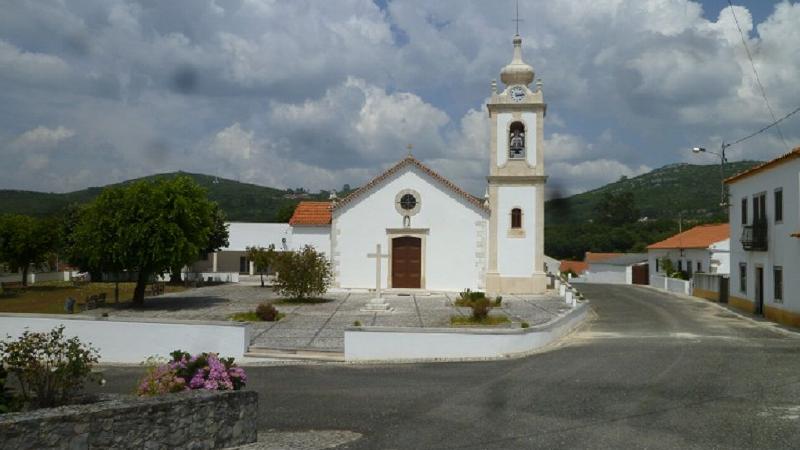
{"x":321,"y":326}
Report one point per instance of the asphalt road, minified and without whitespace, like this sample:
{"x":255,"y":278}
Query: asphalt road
{"x":651,"y":370}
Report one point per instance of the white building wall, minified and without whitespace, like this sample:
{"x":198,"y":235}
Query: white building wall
{"x":317,"y":237}
{"x":515,"y":255}
{"x":451,"y":252}
{"x":607,"y":273}
{"x":711,"y":261}
{"x":246,"y":234}
{"x":783,"y":249}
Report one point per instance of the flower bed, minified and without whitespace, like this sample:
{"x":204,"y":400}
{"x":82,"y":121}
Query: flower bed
{"x":186,"y":372}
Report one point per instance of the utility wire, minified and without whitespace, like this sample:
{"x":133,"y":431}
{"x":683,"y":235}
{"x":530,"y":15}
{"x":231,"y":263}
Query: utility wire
{"x":775,"y":121}
{"x":773,"y":124}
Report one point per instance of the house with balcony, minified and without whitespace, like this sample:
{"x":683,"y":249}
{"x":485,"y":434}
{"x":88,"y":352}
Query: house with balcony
{"x":765,"y":239}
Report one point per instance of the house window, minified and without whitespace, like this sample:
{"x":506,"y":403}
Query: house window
{"x":680,"y":265}
{"x":658,"y":265}
{"x":699,"y":266}
{"x":744,"y":211}
{"x":778,"y":205}
{"x":743,"y":277}
{"x":516,"y":218}
{"x":777,"y":278}
{"x":689,"y":267}
{"x":243,"y":264}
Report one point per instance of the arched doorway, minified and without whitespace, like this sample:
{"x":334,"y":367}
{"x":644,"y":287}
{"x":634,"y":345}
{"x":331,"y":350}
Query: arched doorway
{"x":407,"y":262}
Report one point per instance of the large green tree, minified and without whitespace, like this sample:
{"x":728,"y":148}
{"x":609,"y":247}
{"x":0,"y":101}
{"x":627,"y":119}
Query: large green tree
{"x":617,"y":209}
{"x":146,"y":227}
{"x":25,"y":241}
{"x":217,"y":239}
{"x":262,"y":258}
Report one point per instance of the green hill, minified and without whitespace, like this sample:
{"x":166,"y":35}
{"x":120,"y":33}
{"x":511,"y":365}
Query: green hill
{"x":241,"y":201}
{"x":692,"y":191}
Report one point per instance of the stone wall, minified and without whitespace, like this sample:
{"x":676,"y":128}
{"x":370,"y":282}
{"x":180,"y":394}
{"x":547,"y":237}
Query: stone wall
{"x":194,"y":419}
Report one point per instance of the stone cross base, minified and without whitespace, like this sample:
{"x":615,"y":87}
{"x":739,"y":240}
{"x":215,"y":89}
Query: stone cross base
{"x":377,"y":304}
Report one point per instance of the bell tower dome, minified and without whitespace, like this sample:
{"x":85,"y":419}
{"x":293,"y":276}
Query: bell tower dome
{"x":517,"y":72}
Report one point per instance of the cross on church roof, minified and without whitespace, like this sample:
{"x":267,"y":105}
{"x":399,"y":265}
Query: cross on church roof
{"x":517,"y":19}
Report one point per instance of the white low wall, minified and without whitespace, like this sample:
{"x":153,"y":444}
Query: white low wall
{"x":128,"y":341}
{"x":220,"y":277}
{"x":398,"y":344}
{"x":39,"y":277}
{"x":671,"y":284}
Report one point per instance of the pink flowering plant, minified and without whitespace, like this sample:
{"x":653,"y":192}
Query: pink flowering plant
{"x":186,"y":372}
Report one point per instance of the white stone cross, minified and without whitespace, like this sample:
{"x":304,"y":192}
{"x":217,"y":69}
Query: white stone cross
{"x":378,"y":256}
{"x":377,"y":304}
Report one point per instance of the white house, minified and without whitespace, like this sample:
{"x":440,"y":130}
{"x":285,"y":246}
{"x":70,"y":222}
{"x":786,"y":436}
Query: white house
{"x":765,"y":249}
{"x":616,"y":270}
{"x":704,"y":248}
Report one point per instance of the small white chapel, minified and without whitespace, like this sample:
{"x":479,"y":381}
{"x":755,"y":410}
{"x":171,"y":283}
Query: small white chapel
{"x":415,"y":229}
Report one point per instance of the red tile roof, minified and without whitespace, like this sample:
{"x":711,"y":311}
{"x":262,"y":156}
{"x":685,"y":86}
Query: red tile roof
{"x":410,"y":160}
{"x":311,"y":213}
{"x":590,"y":257}
{"x":764,"y":166}
{"x":701,"y":236}
{"x":576,"y":267}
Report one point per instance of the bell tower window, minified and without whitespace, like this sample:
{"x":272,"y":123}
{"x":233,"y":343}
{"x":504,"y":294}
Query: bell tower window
{"x":516,"y":141}
{"x":516,"y":218}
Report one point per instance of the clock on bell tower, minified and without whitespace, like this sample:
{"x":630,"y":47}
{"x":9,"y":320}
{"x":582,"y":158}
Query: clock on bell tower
{"x":516,"y":181}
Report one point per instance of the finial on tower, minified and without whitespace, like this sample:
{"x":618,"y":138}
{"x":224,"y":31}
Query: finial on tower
{"x":517,"y":72}
{"x":517,"y":19}
{"x":409,"y":147}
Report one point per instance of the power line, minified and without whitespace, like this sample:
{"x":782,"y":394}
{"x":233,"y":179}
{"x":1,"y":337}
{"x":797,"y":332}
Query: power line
{"x":758,"y":79}
{"x":773,"y":124}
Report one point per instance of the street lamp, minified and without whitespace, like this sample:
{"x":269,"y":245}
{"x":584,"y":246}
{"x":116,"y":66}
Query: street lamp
{"x":722,"y":160}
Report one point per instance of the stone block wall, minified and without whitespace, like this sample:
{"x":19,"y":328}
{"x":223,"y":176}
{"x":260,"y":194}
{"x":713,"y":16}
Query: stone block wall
{"x":194,"y":419}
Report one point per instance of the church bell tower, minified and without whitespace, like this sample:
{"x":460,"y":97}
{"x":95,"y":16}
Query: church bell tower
{"x":516,"y":181}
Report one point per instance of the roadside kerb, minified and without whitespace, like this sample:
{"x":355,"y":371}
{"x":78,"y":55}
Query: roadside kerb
{"x":383,"y":344}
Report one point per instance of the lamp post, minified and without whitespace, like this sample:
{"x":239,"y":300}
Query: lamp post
{"x":722,"y":160}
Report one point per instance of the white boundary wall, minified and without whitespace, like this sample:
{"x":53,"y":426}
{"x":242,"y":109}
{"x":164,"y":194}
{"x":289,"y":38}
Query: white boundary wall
{"x":128,"y":341}
{"x":671,"y":284}
{"x":398,"y":344}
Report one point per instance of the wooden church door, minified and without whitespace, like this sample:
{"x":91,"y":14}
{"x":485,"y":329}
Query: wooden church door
{"x":406,"y":262}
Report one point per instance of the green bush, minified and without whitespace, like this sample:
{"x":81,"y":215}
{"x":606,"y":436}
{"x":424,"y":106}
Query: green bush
{"x":6,"y":398}
{"x":498,"y":300}
{"x":525,"y":325}
{"x":480,"y":308}
{"x":357,"y":323}
{"x":302,"y":274}
{"x":50,"y":368}
{"x":267,"y":312}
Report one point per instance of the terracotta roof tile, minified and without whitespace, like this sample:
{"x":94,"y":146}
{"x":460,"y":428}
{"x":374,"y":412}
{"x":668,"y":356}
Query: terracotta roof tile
{"x":701,"y":236}
{"x":764,"y":166}
{"x":410,"y":160}
{"x":311,"y":213}
{"x":576,"y":267}
{"x":590,"y":257}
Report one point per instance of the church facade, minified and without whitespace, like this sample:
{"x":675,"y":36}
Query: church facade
{"x":429,"y":234}
{"x":411,"y":228}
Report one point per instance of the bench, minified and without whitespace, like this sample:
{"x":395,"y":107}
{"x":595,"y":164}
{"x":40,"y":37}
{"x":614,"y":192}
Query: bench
{"x":95,"y":301}
{"x":156,"y":289}
{"x":12,"y":286}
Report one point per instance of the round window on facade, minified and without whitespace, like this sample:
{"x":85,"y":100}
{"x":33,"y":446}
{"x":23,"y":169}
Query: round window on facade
{"x":408,"y":202}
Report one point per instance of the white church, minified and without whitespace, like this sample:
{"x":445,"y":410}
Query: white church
{"x":426,"y":232}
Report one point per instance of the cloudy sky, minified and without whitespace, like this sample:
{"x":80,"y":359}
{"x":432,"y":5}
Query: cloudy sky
{"x":318,"y":93}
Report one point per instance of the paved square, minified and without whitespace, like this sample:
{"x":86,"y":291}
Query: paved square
{"x":321,"y":326}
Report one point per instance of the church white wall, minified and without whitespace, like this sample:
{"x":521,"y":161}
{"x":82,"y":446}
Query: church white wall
{"x":450,"y":249}
{"x":244,"y":234}
{"x":515,"y":255}
{"x":317,"y":237}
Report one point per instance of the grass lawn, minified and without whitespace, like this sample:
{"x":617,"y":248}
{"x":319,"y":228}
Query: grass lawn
{"x":470,"y":321}
{"x":49,"y":297}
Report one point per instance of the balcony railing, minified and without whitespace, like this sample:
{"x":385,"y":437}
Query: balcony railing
{"x":754,"y":237}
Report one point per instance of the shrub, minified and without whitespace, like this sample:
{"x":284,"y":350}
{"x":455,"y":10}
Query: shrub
{"x":525,"y":325}
{"x":498,"y":300}
{"x":185,"y":372}
{"x":303,"y":273}
{"x":480,"y":309}
{"x":6,"y":399}
{"x":50,"y":368}
{"x":357,"y":323}
{"x":267,"y":312}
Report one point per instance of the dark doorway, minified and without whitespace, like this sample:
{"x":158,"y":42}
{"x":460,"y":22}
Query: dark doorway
{"x":759,"y":291}
{"x":406,"y":262}
{"x":641,"y":274}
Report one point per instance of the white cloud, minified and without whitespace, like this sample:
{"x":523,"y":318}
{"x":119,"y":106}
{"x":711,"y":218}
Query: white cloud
{"x":42,"y":137}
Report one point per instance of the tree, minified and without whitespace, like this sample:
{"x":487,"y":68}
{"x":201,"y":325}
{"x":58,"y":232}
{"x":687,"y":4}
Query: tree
{"x":617,"y":209}
{"x":285,"y":212}
{"x":217,"y":239}
{"x":303,"y":273}
{"x":25,"y":241}
{"x":145,"y":227}
{"x":262,"y":259}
